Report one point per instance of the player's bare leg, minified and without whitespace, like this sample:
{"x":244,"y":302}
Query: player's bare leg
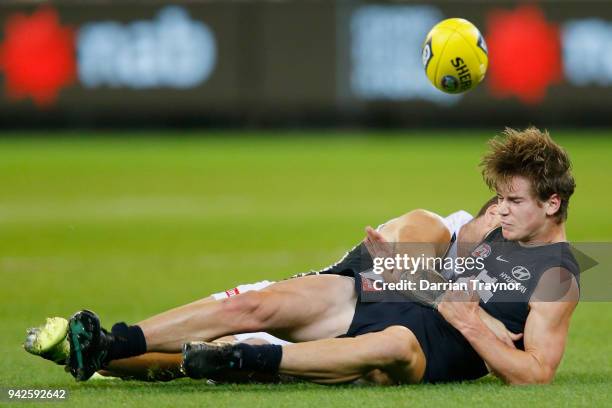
{"x":49,"y":341}
{"x":394,"y":351}
{"x":392,"y":356}
{"x":148,"y":366}
{"x":302,"y":309}
{"x":312,"y":307}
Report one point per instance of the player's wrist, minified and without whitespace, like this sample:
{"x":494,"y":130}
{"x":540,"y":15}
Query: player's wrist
{"x":471,"y":325}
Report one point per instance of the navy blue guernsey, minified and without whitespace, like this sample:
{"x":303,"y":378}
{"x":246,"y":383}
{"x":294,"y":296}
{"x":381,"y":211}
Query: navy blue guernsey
{"x":510,"y":262}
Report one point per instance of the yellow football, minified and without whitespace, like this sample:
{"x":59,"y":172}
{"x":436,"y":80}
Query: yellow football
{"x":455,"y":56}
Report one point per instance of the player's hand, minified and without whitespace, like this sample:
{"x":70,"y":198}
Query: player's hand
{"x":500,"y":330}
{"x":377,"y":245}
{"x":459,"y":307}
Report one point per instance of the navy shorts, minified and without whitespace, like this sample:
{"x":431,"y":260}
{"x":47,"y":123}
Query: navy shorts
{"x":450,"y":357}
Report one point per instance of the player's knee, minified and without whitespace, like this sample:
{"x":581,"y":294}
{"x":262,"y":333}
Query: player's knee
{"x":400,"y":348}
{"x":249,"y":311}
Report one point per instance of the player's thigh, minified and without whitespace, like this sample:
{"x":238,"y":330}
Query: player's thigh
{"x":312,"y":307}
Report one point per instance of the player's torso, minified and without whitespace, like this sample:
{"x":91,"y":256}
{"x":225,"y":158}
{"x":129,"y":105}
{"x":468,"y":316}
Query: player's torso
{"x":520,"y":269}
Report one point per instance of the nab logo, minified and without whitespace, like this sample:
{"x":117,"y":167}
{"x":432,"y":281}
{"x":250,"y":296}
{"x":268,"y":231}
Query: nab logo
{"x":521,"y":273}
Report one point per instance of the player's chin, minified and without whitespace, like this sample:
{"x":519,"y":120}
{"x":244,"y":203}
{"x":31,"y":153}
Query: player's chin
{"x":509,"y":234}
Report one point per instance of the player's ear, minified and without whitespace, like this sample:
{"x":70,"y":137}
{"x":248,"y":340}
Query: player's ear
{"x":491,"y":216}
{"x":553,"y":204}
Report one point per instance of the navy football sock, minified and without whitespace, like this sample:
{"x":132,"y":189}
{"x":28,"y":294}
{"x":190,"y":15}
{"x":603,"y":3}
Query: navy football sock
{"x":264,"y":358}
{"x":128,"y":341}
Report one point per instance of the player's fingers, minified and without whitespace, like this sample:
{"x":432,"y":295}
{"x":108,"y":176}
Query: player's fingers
{"x":368,"y":240}
{"x":369,"y":246}
{"x":370,"y":233}
{"x":515,"y":336}
{"x":374,"y":235}
{"x":472,"y":294}
{"x":506,"y":340}
{"x":504,"y":337}
{"x":376,"y":244}
{"x":374,"y":249}
{"x":457,"y":296}
{"x":509,"y":342}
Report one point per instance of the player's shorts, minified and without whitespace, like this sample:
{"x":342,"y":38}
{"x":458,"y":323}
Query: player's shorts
{"x":247,"y":288}
{"x":450,"y":357}
{"x":241,"y":289}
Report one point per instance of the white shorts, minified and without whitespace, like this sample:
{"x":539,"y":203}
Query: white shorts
{"x":247,"y":288}
{"x":241,"y":289}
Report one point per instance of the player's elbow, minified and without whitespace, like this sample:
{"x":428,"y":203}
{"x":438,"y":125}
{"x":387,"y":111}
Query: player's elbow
{"x":544,"y":376}
{"x":531,"y":381}
{"x":540,"y":377}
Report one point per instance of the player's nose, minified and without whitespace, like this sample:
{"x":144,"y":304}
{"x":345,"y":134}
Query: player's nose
{"x":503,"y":208}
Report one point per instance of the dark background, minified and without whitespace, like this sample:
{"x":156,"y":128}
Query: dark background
{"x":290,"y":64}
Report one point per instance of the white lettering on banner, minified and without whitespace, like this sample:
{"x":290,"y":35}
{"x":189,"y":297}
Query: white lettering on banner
{"x":170,"y":51}
{"x":386,"y":60}
{"x":587,"y":52}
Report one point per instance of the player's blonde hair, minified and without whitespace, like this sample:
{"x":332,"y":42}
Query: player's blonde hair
{"x":530,"y":153}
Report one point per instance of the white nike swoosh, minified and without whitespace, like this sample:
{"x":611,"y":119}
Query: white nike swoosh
{"x":499,"y":258}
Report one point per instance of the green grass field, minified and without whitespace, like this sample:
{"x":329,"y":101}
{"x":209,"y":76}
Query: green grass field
{"x":130,"y":226}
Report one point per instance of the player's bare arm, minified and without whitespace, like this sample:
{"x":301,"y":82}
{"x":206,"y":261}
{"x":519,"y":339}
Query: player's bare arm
{"x":544,"y":338}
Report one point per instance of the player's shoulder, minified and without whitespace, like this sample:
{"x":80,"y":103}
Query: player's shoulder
{"x":425,"y":224}
{"x":560,"y":278}
{"x":417,"y":223}
{"x":452,"y":222}
{"x":423,"y":217}
{"x":558,"y":289}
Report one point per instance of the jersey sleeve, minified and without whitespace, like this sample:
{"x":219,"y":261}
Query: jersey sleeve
{"x":355,"y":260}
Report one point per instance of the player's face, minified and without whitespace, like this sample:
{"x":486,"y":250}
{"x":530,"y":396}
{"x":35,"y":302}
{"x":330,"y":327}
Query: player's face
{"x":522,"y":216}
